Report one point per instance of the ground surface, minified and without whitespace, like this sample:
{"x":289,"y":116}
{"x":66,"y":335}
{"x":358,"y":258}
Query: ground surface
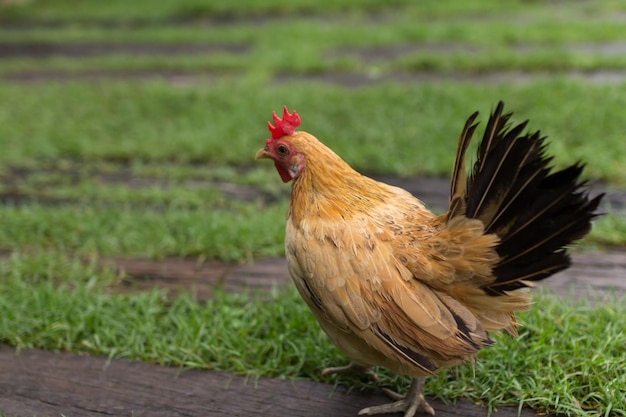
{"x":41,"y":383}
{"x":34,"y":382}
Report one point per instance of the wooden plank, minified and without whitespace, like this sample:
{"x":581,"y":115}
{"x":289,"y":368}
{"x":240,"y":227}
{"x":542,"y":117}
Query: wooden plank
{"x":591,"y":272}
{"x":42,"y":383}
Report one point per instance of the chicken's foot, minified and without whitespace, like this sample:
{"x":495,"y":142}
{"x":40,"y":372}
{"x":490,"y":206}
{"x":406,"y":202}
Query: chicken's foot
{"x":351,"y":368}
{"x":408,"y":404}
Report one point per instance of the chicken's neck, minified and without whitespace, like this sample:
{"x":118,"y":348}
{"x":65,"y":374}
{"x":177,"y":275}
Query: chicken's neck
{"x":329,"y":189}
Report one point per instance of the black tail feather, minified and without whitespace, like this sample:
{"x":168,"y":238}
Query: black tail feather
{"x":537,"y":214}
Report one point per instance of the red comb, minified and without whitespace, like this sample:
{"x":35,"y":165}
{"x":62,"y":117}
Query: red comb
{"x":285,"y":126}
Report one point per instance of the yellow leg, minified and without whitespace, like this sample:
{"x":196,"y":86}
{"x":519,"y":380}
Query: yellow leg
{"x":408,"y":404}
{"x":351,"y":368}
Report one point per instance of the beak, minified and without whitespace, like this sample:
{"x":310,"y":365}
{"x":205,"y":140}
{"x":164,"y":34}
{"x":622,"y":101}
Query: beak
{"x":261,"y":153}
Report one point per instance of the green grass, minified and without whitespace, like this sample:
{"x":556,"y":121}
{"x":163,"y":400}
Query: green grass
{"x":143,"y":168}
{"x":569,"y":358}
{"x":168,"y":136}
{"x":415,"y":132}
{"x":609,"y":229}
{"x":231,"y":233}
{"x":315,"y":48}
{"x":518,"y":36}
{"x":569,"y":355}
{"x":146,"y":11}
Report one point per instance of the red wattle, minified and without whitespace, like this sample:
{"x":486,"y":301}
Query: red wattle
{"x":284,"y":174}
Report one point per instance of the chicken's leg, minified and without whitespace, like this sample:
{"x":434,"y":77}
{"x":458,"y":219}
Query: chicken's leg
{"x":408,"y":405}
{"x":351,"y":368}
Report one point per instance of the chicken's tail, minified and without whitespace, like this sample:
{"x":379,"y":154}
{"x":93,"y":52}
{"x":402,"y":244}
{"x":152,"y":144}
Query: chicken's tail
{"x":535,"y":213}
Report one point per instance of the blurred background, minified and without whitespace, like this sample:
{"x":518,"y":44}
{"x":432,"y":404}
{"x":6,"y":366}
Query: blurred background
{"x":107,"y":108}
{"x":127,"y":136}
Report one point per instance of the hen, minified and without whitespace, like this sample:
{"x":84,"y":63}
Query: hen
{"x":395,"y":285}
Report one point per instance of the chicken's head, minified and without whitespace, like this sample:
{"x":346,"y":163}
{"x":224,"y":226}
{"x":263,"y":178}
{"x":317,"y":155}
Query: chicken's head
{"x":282,"y":148}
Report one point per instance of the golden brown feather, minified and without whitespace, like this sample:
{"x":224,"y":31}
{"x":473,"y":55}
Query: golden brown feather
{"x":394,"y":285}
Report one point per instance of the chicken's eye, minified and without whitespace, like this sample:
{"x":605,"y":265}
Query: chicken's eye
{"x":282,"y":150}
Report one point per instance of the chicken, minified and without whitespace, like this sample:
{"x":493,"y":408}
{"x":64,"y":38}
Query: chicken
{"x":393,"y":284}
